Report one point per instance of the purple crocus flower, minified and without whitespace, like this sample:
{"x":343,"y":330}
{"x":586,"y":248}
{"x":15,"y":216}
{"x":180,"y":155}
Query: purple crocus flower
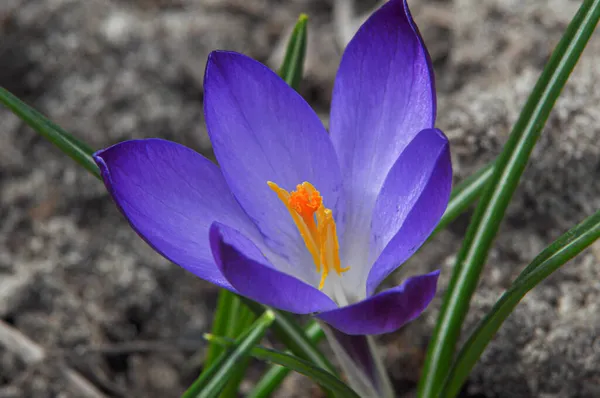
{"x":294,"y":217}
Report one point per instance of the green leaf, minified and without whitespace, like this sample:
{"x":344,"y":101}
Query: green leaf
{"x":293,"y":62}
{"x":70,"y":145}
{"x":276,"y":373}
{"x":231,"y":318}
{"x":464,"y":194}
{"x":291,"y":334}
{"x":497,"y":194}
{"x":295,"y":339}
{"x":318,"y":375}
{"x":553,"y":257}
{"x":219,"y":326}
{"x":212,"y":381}
{"x":240,"y":318}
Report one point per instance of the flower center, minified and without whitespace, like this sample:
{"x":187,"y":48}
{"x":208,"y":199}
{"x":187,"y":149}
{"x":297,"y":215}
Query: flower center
{"x":316,"y":225}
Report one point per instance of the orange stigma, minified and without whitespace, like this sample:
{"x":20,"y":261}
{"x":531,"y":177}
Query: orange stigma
{"x":316,"y":225}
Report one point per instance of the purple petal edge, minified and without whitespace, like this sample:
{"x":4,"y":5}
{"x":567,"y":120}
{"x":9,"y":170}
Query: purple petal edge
{"x":387,"y":311}
{"x":263,"y":130}
{"x":251,"y":274}
{"x":383,"y":97}
{"x":415,"y":29}
{"x":170,"y":195}
{"x":412,"y":200}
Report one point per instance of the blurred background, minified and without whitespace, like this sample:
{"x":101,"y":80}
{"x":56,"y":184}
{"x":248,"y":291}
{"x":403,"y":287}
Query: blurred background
{"x":93,"y":306}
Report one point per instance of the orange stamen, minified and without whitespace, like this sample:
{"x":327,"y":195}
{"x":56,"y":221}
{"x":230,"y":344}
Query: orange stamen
{"x":316,"y":225}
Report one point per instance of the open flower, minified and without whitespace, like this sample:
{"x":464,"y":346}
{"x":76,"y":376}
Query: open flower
{"x":294,"y":217}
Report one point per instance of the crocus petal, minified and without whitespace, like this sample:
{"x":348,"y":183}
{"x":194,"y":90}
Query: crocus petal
{"x":387,"y":311}
{"x":262,"y":130}
{"x":412,"y":201}
{"x":251,"y":274}
{"x":383,"y":96}
{"x":171,"y":195}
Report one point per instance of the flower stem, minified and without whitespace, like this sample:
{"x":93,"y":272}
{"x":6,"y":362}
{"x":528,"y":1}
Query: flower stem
{"x":361,"y":362}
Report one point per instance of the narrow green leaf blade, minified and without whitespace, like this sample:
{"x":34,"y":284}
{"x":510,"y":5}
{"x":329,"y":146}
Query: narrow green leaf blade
{"x":70,"y":145}
{"x":293,"y":62}
{"x":318,"y":375}
{"x":291,"y":334}
{"x":553,"y":257}
{"x":219,"y":325}
{"x":464,"y":194}
{"x":231,"y":319}
{"x":240,"y":318}
{"x":213,"y":380}
{"x":497,"y":194}
{"x":277,"y":373}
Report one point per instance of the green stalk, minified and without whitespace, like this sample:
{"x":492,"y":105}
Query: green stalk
{"x":293,"y":62}
{"x":277,"y":373}
{"x":291,"y":334}
{"x":70,"y":145}
{"x":464,"y":194}
{"x":497,"y":194}
{"x":238,"y":319}
{"x":322,"y":377}
{"x":212,"y":381}
{"x":553,"y":257}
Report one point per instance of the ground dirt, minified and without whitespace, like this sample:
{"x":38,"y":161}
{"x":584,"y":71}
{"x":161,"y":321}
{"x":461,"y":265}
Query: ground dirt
{"x":87,"y":309}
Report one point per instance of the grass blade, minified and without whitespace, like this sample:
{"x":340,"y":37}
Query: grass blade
{"x":219,"y":325}
{"x":317,"y":374}
{"x":276,"y":373}
{"x":213,"y":380}
{"x":496,"y":195}
{"x":240,"y":318}
{"x":464,"y":194}
{"x":291,"y":334}
{"x":293,"y":62}
{"x":553,"y":257}
{"x":231,"y":319}
{"x":70,"y":145}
